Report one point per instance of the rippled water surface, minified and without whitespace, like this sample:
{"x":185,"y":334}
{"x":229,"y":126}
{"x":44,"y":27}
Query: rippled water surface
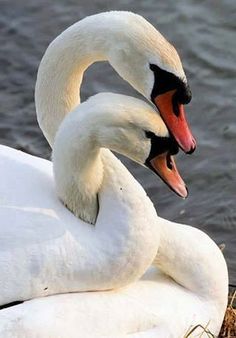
{"x":204,"y":34}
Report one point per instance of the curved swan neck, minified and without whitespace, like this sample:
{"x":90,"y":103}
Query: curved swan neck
{"x":193,"y":260}
{"x":62,"y":67}
{"x":78,"y":168}
{"x":60,"y":75}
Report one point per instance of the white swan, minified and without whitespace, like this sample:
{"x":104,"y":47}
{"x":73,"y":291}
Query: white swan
{"x":134,"y":48}
{"x":47,"y":250}
{"x":46,"y":246}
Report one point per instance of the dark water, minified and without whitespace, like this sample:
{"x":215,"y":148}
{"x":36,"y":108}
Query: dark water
{"x":204,"y":34}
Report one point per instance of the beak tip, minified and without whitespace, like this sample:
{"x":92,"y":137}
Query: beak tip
{"x":186,"y":188}
{"x":183,"y":192}
{"x":188,"y":147}
{"x":192,"y":149}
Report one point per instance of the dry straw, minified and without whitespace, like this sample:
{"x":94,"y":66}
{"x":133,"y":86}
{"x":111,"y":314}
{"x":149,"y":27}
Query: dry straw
{"x":228,"y":329}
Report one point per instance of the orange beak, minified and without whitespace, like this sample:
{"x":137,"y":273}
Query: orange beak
{"x":164,"y":165}
{"x":174,"y":117}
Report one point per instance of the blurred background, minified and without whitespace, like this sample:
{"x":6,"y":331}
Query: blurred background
{"x":204,"y":35}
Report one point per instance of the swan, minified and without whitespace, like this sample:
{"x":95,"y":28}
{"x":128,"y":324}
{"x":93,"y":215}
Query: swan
{"x":53,"y":249}
{"x":138,"y":53}
{"x":46,"y":249}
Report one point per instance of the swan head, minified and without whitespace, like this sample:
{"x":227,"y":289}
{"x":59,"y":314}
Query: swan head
{"x":122,"y":124}
{"x":134,"y":129}
{"x":145,"y":59}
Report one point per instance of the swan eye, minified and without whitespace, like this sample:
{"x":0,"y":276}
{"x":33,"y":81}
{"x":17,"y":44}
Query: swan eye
{"x":160,"y":144}
{"x":165,"y":81}
{"x":149,"y":134}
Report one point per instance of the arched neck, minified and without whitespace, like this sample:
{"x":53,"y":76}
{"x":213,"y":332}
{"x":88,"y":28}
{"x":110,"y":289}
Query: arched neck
{"x":61,"y":72}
